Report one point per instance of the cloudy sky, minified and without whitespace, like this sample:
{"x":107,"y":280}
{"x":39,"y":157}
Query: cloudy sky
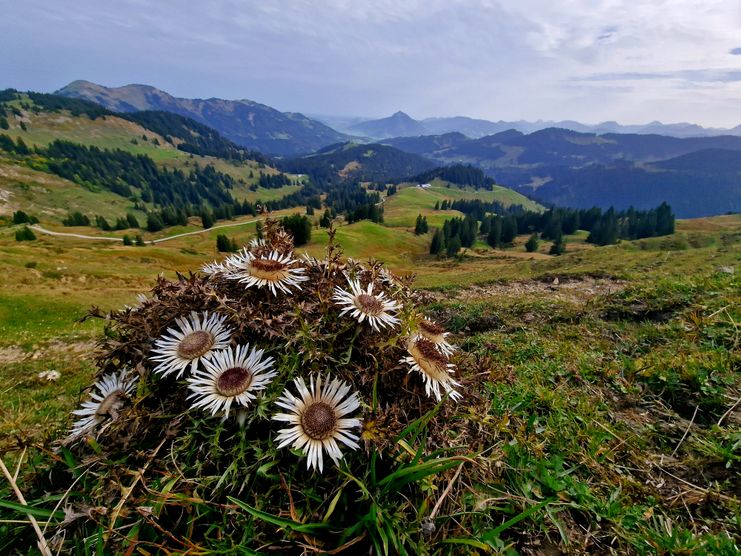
{"x":589,"y":60}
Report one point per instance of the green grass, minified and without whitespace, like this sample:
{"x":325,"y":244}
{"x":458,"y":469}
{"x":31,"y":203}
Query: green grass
{"x":364,"y":240}
{"x":50,"y":198}
{"x":583,"y":391}
{"x":25,"y":322}
{"x":498,"y":193}
{"x":401,"y":209}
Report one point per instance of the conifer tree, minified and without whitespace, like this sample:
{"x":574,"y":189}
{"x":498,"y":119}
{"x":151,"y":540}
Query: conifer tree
{"x":532,"y":244}
{"x":154,"y":223}
{"x":420,"y":227}
{"x":494,"y":239}
{"x":454,"y":246}
{"x":438,"y":242}
{"x":559,"y":245}
{"x":207,"y":219}
{"x":509,"y":230}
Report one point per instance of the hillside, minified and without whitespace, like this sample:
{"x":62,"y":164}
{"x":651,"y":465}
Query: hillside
{"x":402,"y":208}
{"x":355,"y":162}
{"x":41,"y":183}
{"x":568,"y":168}
{"x":690,"y":193}
{"x":245,"y":122}
{"x":722,"y":161}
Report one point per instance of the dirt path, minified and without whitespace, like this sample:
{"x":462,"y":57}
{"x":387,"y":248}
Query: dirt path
{"x":152,"y":242}
{"x":78,"y":236}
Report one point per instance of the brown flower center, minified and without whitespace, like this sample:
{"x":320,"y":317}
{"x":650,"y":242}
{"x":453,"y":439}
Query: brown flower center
{"x":111,"y":404}
{"x":431,"y":331}
{"x":195,"y":344}
{"x":268,"y":269}
{"x":369,"y":304}
{"x":233,"y":381}
{"x":318,"y":421}
{"x":429,"y":359}
{"x":431,"y":327}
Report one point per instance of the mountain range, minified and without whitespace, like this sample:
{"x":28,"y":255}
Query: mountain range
{"x":698,"y":176}
{"x":569,"y":164}
{"x":245,"y":122}
{"x":556,"y":146}
{"x":401,"y":124}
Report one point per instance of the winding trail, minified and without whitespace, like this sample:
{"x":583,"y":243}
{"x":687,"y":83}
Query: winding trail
{"x":38,"y":228}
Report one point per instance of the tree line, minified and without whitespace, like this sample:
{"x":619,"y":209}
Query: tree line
{"x":195,"y":137}
{"x":478,"y":208}
{"x":604,"y":227}
{"x":459,"y":174}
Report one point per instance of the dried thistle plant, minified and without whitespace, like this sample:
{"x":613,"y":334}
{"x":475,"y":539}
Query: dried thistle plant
{"x":337,"y":351}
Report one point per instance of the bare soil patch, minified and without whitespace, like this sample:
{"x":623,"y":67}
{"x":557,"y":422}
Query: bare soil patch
{"x":577,"y":290}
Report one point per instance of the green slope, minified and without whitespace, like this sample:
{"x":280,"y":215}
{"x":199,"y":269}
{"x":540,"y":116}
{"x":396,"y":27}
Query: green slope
{"x":50,"y":197}
{"x":402,"y":208}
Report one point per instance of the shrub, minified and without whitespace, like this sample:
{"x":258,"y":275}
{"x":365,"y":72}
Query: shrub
{"x":225,"y":245}
{"x":532,"y":244}
{"x":25,"y":234}
{"x":20,"y":217}
{"x":299,"y":227}
{"x":76,"y":218}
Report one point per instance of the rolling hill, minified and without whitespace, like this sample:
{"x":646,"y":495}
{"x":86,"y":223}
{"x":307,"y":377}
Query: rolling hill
{"x":691,"y":193}
{"x":567,"y":168}
{"x":78,"y":147}
{"x":354,"y":162}
{"x":245,"y":122}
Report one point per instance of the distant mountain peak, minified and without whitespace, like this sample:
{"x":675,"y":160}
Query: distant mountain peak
{"x":399,"y":124}
{"x":245,"y":122}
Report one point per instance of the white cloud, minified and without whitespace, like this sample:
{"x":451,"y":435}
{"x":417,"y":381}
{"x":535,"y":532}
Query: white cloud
{"x":588,"y":60}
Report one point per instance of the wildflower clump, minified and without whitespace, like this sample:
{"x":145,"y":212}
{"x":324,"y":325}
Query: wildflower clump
{"x":258,"y":395}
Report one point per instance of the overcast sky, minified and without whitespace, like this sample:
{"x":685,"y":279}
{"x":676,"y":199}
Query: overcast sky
{"x":587,"y":60}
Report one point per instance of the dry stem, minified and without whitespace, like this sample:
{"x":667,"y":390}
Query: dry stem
{"x":43,"y":546}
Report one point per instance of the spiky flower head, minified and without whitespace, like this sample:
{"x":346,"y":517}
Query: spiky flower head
{"x":192,"y":340}
{"x":272,"y":270}
{"x":434,"y":366}
{"x":364,"y":304}
{"x":318,"y":420}
{"x":231,"y":376}
{"x":436,"y":334}
{"x":106,"y":399}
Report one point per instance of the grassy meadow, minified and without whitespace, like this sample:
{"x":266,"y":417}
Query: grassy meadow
{"x":611,"y":373}
{"x":401,"y":209}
